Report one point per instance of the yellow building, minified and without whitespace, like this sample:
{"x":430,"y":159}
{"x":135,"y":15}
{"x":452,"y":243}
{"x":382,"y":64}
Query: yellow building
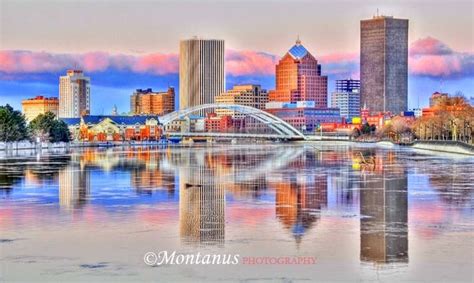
{"x":39,"y":105}
{"x":248,"y":95}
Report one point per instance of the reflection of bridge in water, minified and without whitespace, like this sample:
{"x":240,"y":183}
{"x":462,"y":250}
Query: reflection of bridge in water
{"x":279,"y":128}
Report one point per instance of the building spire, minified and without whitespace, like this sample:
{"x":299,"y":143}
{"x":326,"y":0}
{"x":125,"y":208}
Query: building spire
{"x":298,"y":41}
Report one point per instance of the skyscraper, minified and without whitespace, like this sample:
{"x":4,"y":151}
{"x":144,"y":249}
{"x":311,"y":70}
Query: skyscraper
{"x":298,"y":78}
{"x":201,"y":71}
{"x":74,"y":94}
{"x":384,"y":64}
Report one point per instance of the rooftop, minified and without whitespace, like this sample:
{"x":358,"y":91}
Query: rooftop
{"x":298,"y":51}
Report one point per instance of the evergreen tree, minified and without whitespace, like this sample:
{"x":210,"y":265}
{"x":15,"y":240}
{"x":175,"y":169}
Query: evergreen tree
{"x":47,"y":127}
{"x":12,"y":125}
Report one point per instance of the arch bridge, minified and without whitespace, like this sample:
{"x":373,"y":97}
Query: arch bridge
{"x":281,"y":129}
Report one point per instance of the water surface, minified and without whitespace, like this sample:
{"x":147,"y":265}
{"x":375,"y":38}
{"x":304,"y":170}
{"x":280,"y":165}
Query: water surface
{"x":92,"y":214}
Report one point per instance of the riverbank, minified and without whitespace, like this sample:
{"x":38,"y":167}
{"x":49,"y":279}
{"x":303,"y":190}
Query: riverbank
{"x":445,"y":146}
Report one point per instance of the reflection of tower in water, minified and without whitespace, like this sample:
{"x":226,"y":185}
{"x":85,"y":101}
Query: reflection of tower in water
{"x":384,"y":216}
{"x":74,"y":186}
{"x":201,"y":204}
{"x":298,"y":203}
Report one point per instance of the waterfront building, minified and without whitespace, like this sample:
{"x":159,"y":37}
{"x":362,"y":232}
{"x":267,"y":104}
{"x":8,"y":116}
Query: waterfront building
{"x":303,"y":115}
{"x":201,"y":71}
{"x":114,"y":128}
{"x":74,"y":94}
{"x":298,"y":78}
{"x":148,"y":102}
{"x":33,"y":107}
{"x":384,"y":64}
{"x":436,"y":97}
{"x":346,"y":97}
{"x":247,"y":95}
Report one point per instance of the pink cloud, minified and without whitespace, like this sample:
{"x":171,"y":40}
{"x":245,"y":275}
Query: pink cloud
{"x":429,"y":46}
{"x":241,"y":63}
{"x":431,"y":57}
{"x":427,"y":57}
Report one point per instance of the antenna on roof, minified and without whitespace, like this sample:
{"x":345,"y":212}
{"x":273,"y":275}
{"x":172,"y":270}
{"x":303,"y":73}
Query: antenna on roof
{"x":298,"y":41}
{"x":377,"y":12}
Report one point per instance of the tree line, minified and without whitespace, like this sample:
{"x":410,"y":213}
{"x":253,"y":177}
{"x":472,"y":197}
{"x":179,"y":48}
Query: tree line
{"x":44,"y":128}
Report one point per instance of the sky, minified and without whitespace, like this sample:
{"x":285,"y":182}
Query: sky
{"x":124,"y":45}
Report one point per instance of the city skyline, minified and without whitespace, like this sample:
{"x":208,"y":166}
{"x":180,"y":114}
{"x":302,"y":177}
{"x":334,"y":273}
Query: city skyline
{"x":437,"y":60}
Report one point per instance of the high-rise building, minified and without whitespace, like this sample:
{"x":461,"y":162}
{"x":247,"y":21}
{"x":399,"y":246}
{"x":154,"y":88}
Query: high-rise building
{"x":39,"y":105}
{"x":298,"y":78}
{"x":247,"y":95}
{"x":384,"y":64}
{"x":347,"y":98}
{"x":74,"y":94}
{"x":348,"y":85}
{"x":201,"y":71}
{"x":300,"y":97}
{"x":148,"y":102}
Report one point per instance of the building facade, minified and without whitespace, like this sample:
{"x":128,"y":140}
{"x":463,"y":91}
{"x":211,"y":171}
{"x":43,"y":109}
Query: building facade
{"x":39,"y":105}
{"x":298,"y":78}
{"x":114,"y":128}
{"x":74,"y":94}
{"x":148,"y":102}
{"x":384,"y":64}
{"x":247,"y":95}
{"x":201,"y":71}
{"x":304,"y":116}
{"x":437,"y":96}
{"x":347,"y":98}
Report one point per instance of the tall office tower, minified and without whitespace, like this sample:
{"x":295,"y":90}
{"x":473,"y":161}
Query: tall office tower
{"x":298,"y":78}
{"x":74,"y":94}
{"x":148,"y":102}
{"x":384,"y":64}
{"x":201,"y":71}
{"x":347,"y":98}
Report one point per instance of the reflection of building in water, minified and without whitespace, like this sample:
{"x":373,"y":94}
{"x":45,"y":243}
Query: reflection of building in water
{"x":201,"y":202}
{"x":383,"y":209}
{"x":144,"y":180}
{"x":74,"y":186}
{"x":298,"y":202}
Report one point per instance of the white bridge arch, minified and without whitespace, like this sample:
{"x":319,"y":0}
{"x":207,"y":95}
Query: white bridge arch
{"x":283,"y":129}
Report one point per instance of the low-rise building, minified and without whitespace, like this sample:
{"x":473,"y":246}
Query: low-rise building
{"x":215,"y":123}
{"x":303,"y":115}
{"x":114,"y":128}
{"x":39,"y":105}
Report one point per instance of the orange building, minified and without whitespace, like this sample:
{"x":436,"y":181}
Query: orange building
{"x":147,"y":102}
{"x":39,"y":105}
{"x":298,"y":78}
